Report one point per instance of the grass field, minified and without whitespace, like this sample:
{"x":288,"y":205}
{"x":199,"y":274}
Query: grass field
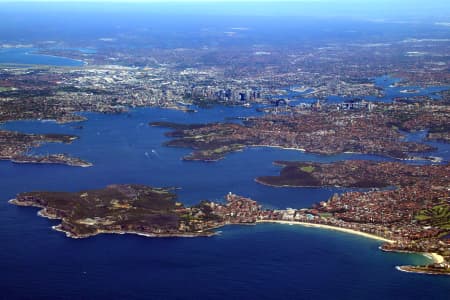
{"x":438,"y":216}
{"x":307,"y":169}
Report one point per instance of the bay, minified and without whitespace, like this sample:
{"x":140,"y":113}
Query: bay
{"x":265,"y":261}
{"x":29,"y":56}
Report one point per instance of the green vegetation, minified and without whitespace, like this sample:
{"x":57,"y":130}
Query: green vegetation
{"x":114,"y":208}
{"x":187,"y":217}
{"x":438,"y":216}
{"x":226,"y":149}
{"x":5,"y":89}
{"x":307,"y":169}
{"x":326,"y":215}
{"x":220,"y":150}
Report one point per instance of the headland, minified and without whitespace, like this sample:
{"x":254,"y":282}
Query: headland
{"x":153,"y":212}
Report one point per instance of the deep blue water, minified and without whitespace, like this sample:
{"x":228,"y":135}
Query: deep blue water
{"x":243,"y":262}
{"x":28,"y":56}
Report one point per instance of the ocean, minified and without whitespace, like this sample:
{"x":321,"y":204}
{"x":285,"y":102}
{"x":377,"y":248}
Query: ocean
{"x":266,"y":261}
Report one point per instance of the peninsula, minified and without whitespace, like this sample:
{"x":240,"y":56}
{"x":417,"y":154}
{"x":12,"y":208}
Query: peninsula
{"x":62,"y":159}
{"x":355,"y":174}
{"x":136,"y":209}
{"x":328,"y":130}
{"x":15,"y":146}
{"x":153,"y":212}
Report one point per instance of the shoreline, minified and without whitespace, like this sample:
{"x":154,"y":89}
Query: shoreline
{"x":38,"y":52}
{"x":42,"y":212}
{"x":257,"y":180}
{"x":279,"y":147}
{"x":329,"y":227}
{"x":81,"y":165}
{"x":434,"y":257}
{"x":144,"y":234}
{"x":418,"y":270}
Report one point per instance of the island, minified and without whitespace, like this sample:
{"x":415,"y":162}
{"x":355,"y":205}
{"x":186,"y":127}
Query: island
{"x":404,"y":224}
{"x":15,"y":146}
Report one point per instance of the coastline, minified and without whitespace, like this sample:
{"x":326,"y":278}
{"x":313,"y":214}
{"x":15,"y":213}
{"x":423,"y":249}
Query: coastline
{"x":328,"y":227}
{"x":151,"y":235}
{"x":83,"y":164}
{"x":43,"y":212}
{"x":421,"y":270}
{"x":434,"y":257}
{"x":37,"y":52}
{"x":279,"y":147}
{"x":293,"y":186}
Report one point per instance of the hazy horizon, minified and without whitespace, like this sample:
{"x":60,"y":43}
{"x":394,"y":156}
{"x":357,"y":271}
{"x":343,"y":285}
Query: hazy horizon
{"x":391,"y":10}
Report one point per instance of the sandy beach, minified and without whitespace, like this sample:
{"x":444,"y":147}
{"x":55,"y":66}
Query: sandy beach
{"x":328,"y":227}
{"x":279,"y":147}
{"x":435,"y":257}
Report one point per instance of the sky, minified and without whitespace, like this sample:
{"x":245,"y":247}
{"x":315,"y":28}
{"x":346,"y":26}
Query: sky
{"x":162,"y":0}
{"x":417,"y":3}
{"x":437,"y":9}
